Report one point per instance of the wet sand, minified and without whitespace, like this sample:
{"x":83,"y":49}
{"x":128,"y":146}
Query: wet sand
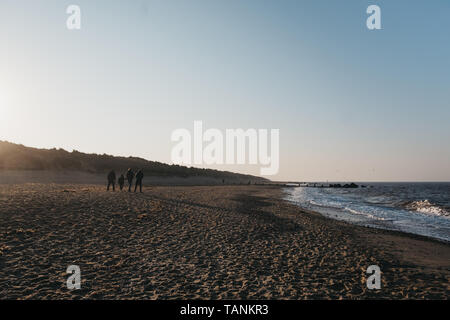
{"x":216,"y":242}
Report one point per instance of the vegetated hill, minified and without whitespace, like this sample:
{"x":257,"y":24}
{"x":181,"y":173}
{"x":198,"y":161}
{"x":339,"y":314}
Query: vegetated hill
{"x":19,"y":157}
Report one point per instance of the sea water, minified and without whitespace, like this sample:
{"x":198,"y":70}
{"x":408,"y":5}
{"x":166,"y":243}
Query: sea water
{"x":419,"y":208}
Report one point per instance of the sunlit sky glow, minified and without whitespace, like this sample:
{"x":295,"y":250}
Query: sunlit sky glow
{"x":351,"y":104}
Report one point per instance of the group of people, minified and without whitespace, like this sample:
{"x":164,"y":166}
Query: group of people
{"x":130,"y":176}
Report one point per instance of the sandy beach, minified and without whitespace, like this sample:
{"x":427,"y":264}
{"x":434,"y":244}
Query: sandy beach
{"x":215,"y":242}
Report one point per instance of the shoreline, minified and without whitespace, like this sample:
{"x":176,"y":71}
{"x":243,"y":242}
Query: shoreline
{"x":210,"y":242}
{"x":392,"y":231}
{"x":427,"y":218}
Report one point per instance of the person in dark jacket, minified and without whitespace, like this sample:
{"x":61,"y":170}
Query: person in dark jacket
{"x":139,"y":177}
{"x":111,"y":180}
{"x":121,"y":181}
{"x":130,"y":176}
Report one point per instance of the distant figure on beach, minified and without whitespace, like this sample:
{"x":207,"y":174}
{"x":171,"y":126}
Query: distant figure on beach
{"x":130,"y":176}
{"x":111,"y":180}
{"x":121,"y":181}
{"x":139,"y":177}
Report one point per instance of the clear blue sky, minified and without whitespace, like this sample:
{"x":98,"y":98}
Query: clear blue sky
{"x":351,"y":104}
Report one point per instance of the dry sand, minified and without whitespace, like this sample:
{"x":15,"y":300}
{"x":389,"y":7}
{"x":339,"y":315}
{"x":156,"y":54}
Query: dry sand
{"x":222,"y":242}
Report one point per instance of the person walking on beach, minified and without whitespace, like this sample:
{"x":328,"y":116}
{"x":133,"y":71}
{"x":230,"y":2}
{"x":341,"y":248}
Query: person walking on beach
{"x":130,"y":176}
{"x":121,"y":181}
{"x":139,"y":177}
{"x":111,"y":180}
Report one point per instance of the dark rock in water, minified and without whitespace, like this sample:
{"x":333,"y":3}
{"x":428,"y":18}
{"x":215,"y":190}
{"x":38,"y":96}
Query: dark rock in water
{"x":347,"y":185}
{"x":351,"y":185}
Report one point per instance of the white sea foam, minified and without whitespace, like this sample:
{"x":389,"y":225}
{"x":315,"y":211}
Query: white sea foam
{"x":368,"y":215}
{"x":427,"y":207}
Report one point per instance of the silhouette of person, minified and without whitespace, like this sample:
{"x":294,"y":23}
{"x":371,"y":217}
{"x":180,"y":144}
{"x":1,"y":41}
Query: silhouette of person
{"x":139,"y":177}
{"x":130,"y":176}
{"x":121,"y":181}
{"x":111,"y":180}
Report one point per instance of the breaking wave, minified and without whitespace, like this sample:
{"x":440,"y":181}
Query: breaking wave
{"x":425,"y":206}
